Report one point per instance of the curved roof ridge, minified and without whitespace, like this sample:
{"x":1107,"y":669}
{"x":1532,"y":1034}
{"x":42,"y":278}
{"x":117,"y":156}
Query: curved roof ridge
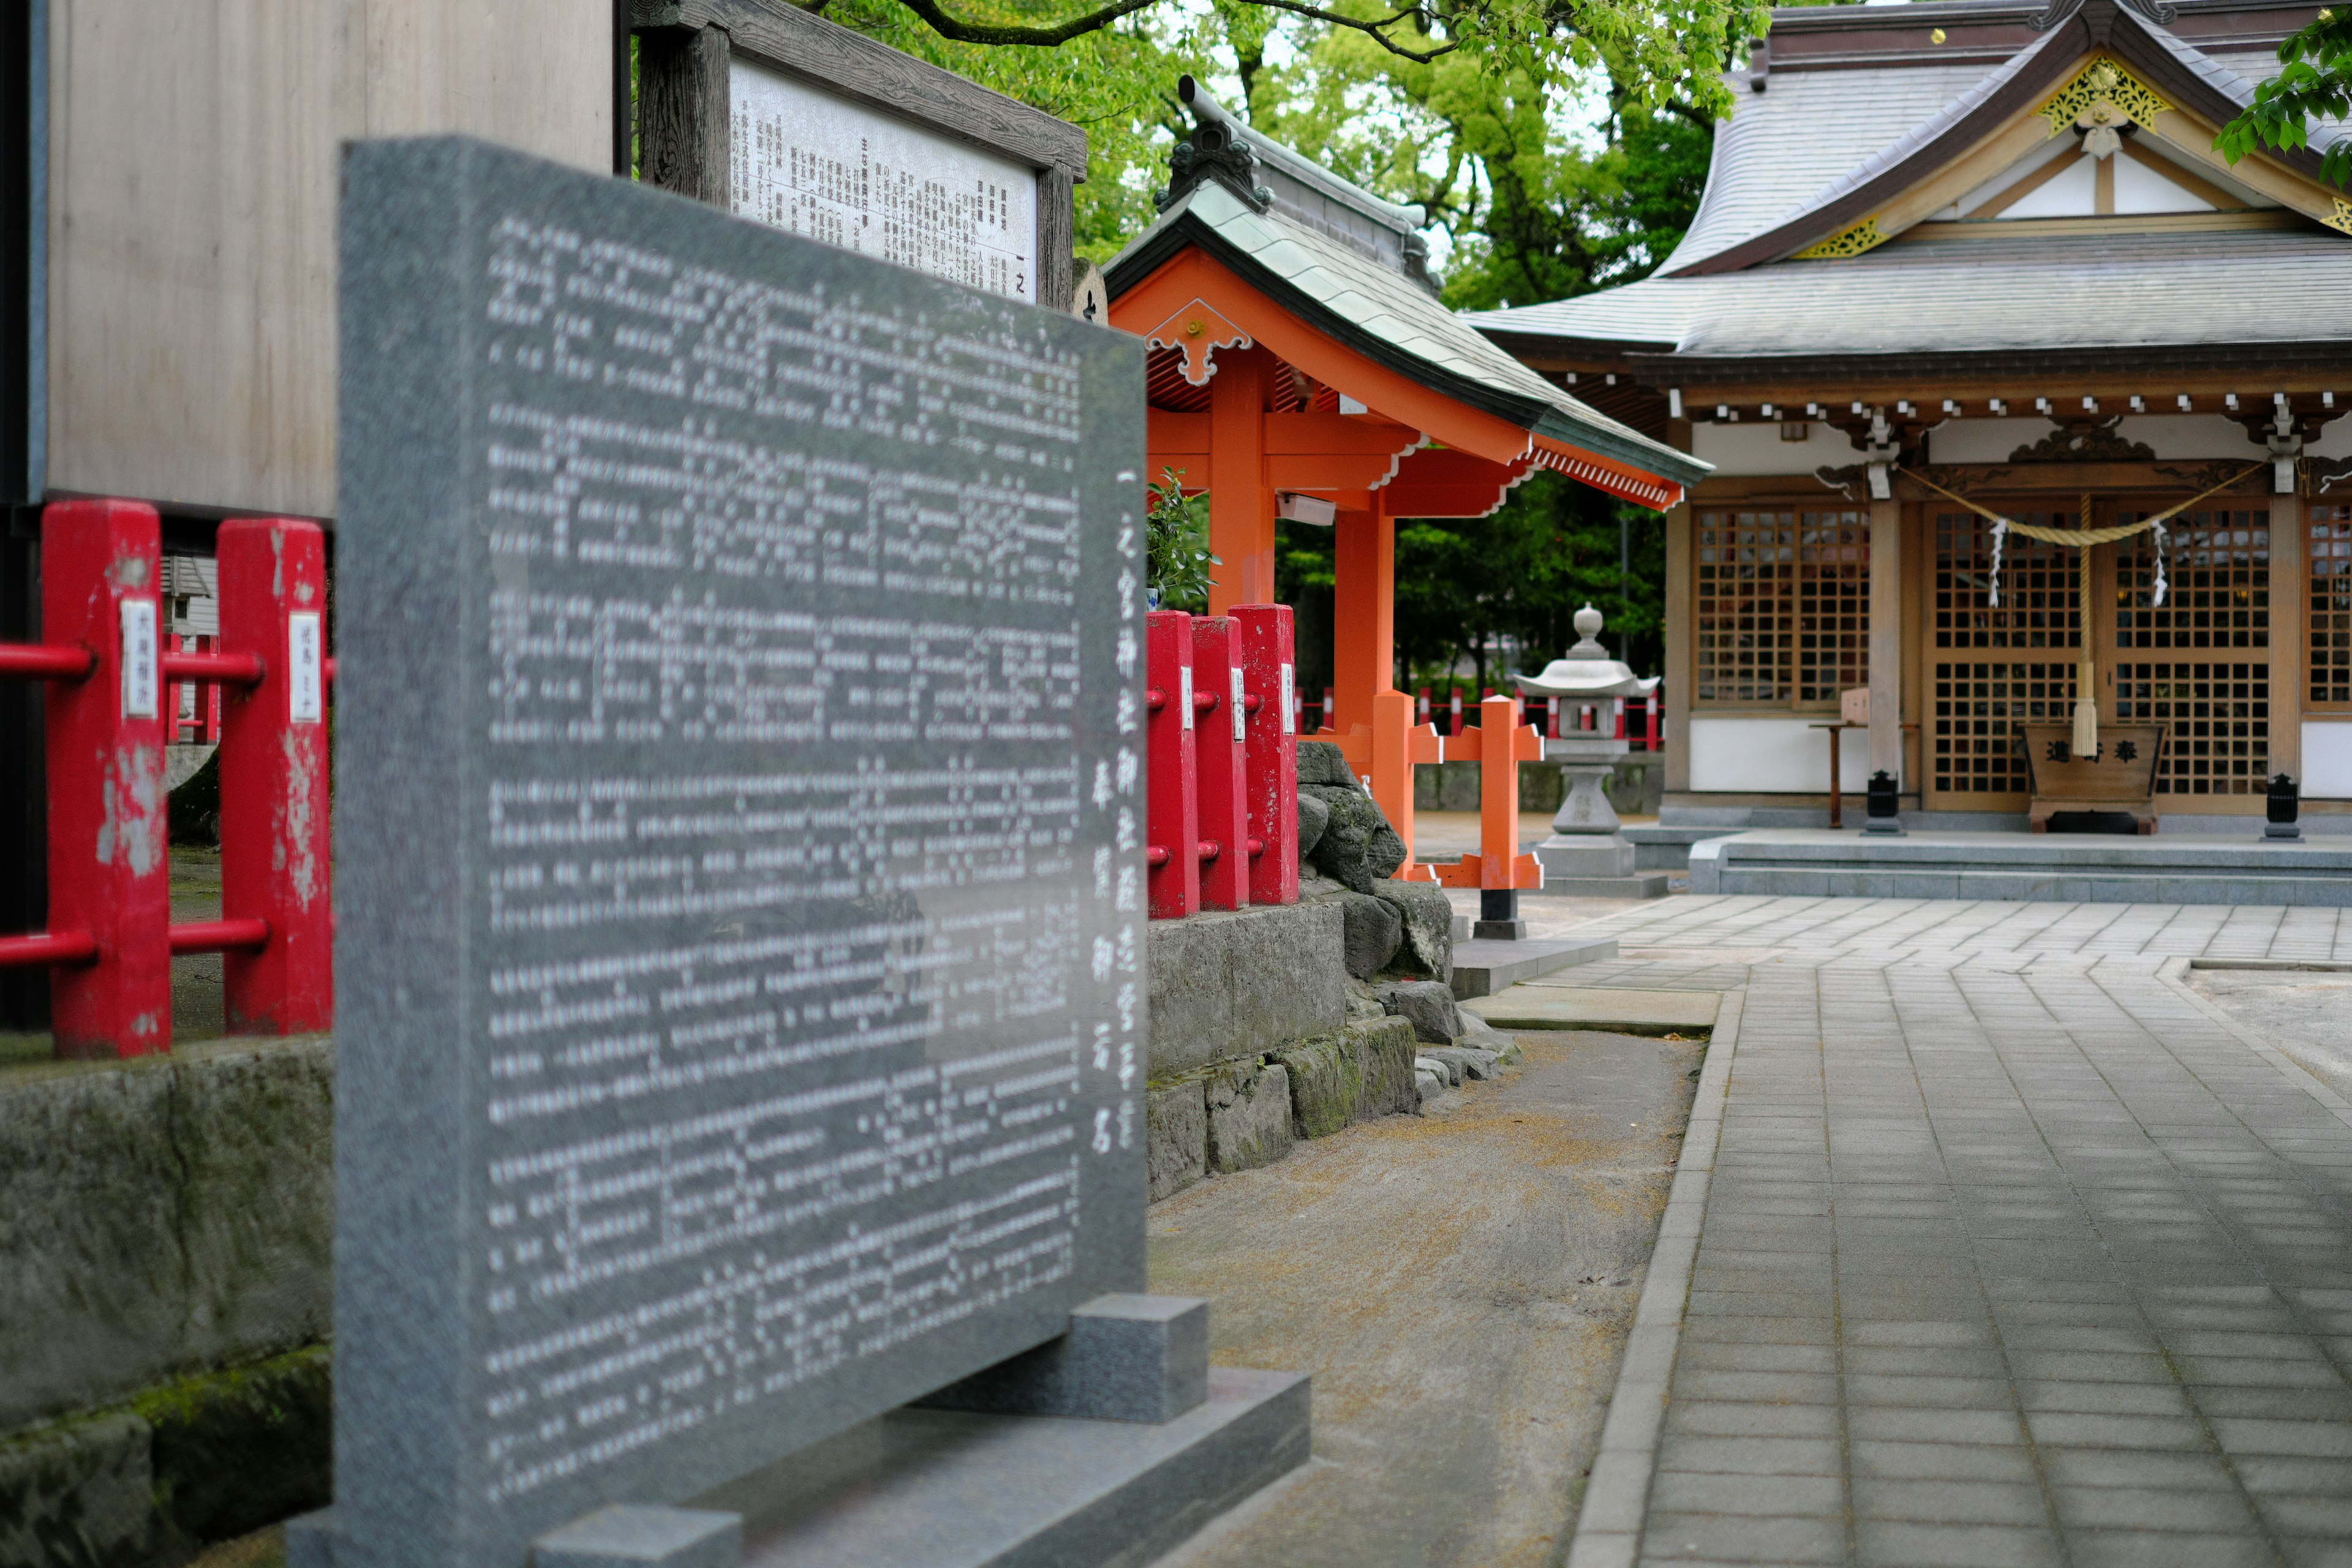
{"x":1893,"y":155}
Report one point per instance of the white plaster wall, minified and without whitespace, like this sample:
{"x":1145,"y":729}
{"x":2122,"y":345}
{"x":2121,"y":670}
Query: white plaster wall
{"x":1769,"y":754}
{"x":1738,"y":450}
{"x":2195,"y":437}
{"x":2328,"y":759}
{"x":2335,"y":439}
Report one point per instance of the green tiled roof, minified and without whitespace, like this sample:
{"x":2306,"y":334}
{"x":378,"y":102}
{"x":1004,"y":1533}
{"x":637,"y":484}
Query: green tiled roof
{"x":1386,"y":315}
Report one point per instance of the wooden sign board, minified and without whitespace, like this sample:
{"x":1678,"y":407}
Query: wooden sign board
{"x":776,"y":114}
{"x":2120,"y":776}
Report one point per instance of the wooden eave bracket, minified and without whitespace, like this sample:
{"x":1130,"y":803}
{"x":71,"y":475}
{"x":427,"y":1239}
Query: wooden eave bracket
{"x":1195,"y":331}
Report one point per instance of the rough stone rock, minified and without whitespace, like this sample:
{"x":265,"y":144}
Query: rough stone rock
{"x":1313,"y":817}
{"x":1175,"y":1137}
{"x":1448,"y":1073}
{"x":1343,"y":853}
{"x":1370,"y":935}
{"x":1327,"y":1083}
{"x":1385,"y":851}
{"x":1363,"y":1009}
{"x":1387,"y":1051}
{"x":1430,"y":1082}
{"x":1322,"y":763}
{"x":1469,"y":1061}
{"x":1428,"y":916}
{"x":1232,"y":983}
{"x":1249,"y":1116}
{"x":1477,"y":1032}
{"x":1428,"y":1005}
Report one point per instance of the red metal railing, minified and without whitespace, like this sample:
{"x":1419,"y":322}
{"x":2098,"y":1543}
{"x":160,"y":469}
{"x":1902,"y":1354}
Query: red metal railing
{"x":1222,"y":764}
{"x":112,"y":706}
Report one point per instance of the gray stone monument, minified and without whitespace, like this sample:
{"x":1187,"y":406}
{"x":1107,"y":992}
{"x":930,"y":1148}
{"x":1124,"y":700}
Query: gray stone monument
{"x":1588,"y":854}
{"x":740,"y":1028}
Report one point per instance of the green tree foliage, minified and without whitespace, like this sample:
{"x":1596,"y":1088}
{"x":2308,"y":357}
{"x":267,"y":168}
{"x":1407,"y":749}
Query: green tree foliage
{"x":1176,"y":547}
{"x":2314,"y":83}
{"x":1557,"y":145}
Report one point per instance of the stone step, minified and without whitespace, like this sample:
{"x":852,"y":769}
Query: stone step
{"x":2166,"y":869}
{"x":1615,"y":1009}
{"x":1483,"y":968}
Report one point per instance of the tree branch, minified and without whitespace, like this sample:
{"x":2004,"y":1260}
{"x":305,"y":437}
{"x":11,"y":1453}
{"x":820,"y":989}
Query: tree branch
{"x":962,"y":32}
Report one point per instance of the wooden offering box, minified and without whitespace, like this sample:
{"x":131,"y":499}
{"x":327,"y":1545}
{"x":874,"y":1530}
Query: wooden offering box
{"x":2120,"y":777}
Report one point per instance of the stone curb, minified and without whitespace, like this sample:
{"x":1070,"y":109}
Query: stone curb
{"x":1617,"y":1494}
{"x":2173,"y":972}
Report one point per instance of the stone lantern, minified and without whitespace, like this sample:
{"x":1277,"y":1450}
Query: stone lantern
{"x":1586,"y":846}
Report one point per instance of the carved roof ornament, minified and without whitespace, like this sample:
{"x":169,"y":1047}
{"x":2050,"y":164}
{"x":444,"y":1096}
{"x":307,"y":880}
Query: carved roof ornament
{"x":1194,"y":331}
{"x":1214,"y":153}
{"x":1853,"y":241}
{"x":2059,"y":11}
{"x":2101,"y":98}
{"x":2084,"y":442}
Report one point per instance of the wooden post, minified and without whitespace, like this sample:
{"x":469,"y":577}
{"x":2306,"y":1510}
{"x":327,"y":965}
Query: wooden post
{"x":1363,"y":612}
{"x":1885,"y":639}
{"x":2290,"y":628}
{"x":682,"y":108}
{"x":1682,"y":611}
{"x":1240,"y":507}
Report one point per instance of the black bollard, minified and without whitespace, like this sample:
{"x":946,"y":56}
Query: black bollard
{"x":1498,"y":916}
{"x":2285,"y":806}
{"x":1884,"y":804}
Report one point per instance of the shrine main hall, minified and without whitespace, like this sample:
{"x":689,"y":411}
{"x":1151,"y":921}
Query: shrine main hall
{"x":2014,"y":392}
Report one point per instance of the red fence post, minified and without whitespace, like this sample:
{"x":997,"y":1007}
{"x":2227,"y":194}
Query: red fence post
{"x":1271,"y":752}
{"x":1218,"y":741}
{"x":273,"y":777}
{"x":109,"y":861}
{"x":1172,"y":826}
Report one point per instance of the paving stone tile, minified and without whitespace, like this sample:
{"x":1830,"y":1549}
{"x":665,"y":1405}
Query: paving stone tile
{"x":1941,"y":1461}
{"x":2293,"y":1513}
{"x":2149,"y":1549}
{"x":1770,"y":1388}
{"x":1925,"y":1361}
{"x":2136,"y":1467}
{"x":1868,"y":1421}
{"x":2104,"y":1398}
{"x":1893,"y":1544}
{"x":2088,"y":1367}
{"x":1741,"y":1537}
{"x":1726,"y":1418}
{"x":1949,"y":1502}
{"x":1750,"y":1456}
{"x":2279,"y":1473}
{"x":1931,"y":1393}
{"x":2081,"y":1507}
{"x":2258,"y":1371}
{"x":1704,"y":1491}
{"x":1748,"y":1356}
{"x":2333,"y":1405}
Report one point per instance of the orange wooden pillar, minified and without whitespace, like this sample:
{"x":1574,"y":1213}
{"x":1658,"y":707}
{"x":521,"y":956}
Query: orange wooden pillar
{"x":1241,"y":505}
{"x":1499,"y":745}
{"x":1372,"y":721}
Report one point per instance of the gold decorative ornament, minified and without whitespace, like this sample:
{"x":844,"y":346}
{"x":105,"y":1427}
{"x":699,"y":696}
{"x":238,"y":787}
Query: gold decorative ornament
{"x":2102,"y":84}
{"x":1861,"y":237}
{"x":1936,"y":36}
{"x":2341,"y":218}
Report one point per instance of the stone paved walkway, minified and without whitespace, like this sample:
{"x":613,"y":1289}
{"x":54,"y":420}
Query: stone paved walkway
{"x":2013,"y":1254}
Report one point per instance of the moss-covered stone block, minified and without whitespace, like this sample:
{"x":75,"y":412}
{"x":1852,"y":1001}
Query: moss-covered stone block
{"x":242,"y":1448}
{"x":1249,"y":1116}
{"x":1327,"y":1082}
{"x":78,"y":1494}
{"x":1175,"y":1136}
{"x":1385,"y":1049}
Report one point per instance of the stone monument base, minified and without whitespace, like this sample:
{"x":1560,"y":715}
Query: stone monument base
{"x":922,"y":1488}
{"x":1595,"y":866}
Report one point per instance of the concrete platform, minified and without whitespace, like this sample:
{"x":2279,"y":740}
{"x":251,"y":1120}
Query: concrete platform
{"x":1539,"y":1004}
{"x":1483,"y":968}
{"x":941,"y":1489}
{"x":1640,"y":885}
{"x":2166,"y":869}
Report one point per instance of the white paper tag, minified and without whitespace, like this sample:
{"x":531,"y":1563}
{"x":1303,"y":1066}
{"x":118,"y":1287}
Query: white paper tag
{"x":1240,"y":732}
{"x":1289,"y":704}
{"x":306,"y":695}
{"x":141,"y":669}
{"x":1184,"y":680}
